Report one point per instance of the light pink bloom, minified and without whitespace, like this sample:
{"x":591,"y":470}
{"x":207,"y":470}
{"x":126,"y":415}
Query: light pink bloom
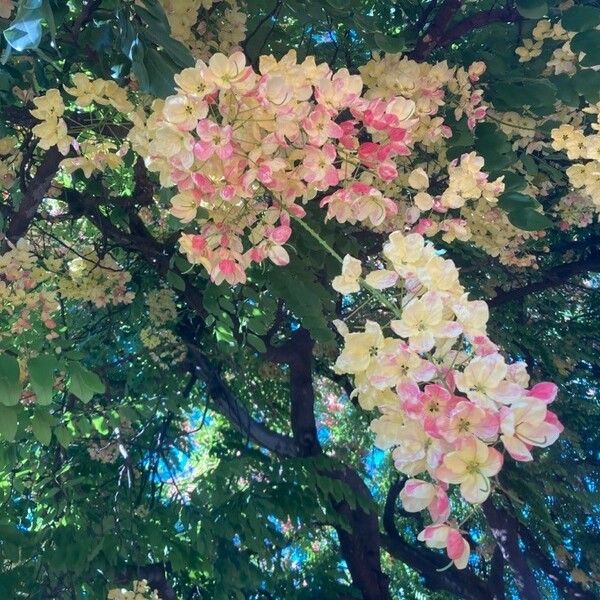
{"x":526,"y":424}
{"x":444,"y":536}
{"x":319,"y":127}
{"x":318,"y":167}
{"x":214,"y":139}
{"x":471,"y":465}
{"x":467,"y":419}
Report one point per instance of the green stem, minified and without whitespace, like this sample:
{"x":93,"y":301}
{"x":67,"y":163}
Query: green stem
{"x":375,"y":293}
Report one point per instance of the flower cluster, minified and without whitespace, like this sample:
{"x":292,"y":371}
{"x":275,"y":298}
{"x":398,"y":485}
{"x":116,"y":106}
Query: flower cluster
{"x":245,"y":149}
{"x":575,"y":210}
{"x":93,"y":153}
{"x":204,"y":31}
{"x":396,"y":75}
{"x":161,"y":306}
{"x":164,"y":347}
{"x":98,"y":280}
{"x":448,"y":400}
{"x":23,"y":295}
{"x":140,"y":591}
{"x":584,"y":176}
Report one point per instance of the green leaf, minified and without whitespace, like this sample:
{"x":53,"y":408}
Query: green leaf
{"x":10,"y":386}
{"x":256,"y":343}
{"x":49,"y":17}
{"x":41,"y":375}
{"x":580,"y":18}
{"x":40,"y":425}
{"x":25,"y":31}
{"x":510,"y":201}
{"x":176,"y":280}
{"x":532,"y":9}
{"x":83,"y":382}
{"x":100,"y":425}
{"x":589,"y":43}
{"x":565,"y":90}
{"x":8,"y":422}
{"x":160,"y":69}
{"x":389,"y":43}
{"x":366,"y":23}
{"x":587,"y":83}
{"x":64,"y":436}
{"x":528,"y":219}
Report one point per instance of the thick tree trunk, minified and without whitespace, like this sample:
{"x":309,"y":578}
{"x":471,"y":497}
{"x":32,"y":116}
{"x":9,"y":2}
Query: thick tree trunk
{"x":505,"y":531}
{"x":360,"y":546}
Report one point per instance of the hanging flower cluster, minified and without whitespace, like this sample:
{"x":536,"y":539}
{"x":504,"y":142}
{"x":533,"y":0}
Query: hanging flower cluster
{"x":245,"y":147}
{"x":23,"y":295}
{"x":448,"y":400}
{"x":141,"y":591}
{"x":207,"y":26}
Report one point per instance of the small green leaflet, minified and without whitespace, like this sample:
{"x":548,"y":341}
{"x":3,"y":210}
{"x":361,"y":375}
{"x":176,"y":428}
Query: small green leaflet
{"x":8,"y":422}
{"x":41,"y":375}
{"x":528,"y":219}
{"x":532,"y":9}
{"x":41,"y":425}
{"x":10,"y":386}
{"x":83,"y":382}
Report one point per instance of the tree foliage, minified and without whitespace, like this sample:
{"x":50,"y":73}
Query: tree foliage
{"x":180,"y":271}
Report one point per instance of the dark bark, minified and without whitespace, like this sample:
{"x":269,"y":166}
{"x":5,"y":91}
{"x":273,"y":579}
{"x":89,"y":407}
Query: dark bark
{"x":505,"y":531}
{"x":361,"y":546}
{"x":550,"y":278}
{"x":508,"y":14}
{"x":496,"y":578}
{"x":360,"y":543}
{"x":33,"y":195}
{"x":226,"y":404}
{"x":440,"y":33}
{"x":435,"y":32}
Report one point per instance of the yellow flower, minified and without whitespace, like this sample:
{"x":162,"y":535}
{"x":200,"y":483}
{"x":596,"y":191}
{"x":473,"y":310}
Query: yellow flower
{"x":471,"y":466}
{"x":184,"y":207}
{"x":48,"y":106}
{"x":347,"y":282}
{"x":85,"y":90}
{"x":360,"y":349}
{"x":418,"y":179}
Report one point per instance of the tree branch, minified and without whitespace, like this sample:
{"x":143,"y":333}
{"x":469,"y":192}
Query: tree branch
{"x":508,"y":14}
{"x":33,"y":195}
{"x":505,"y":531}
{"x":439,"y":34}
{"x":553,"y":277}
{"x":225,"y":403}
{"x":435,"y":32}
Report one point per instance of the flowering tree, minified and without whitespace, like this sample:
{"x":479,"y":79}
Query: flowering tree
{"x":287,"y":290}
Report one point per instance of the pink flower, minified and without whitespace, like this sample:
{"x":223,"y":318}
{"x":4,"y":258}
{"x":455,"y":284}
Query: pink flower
{"x":318,"y":167}
{"x":526,"y":424}
{"x":444,"y":536}
{"x":545,"y":391}
{"x":228,"y":270}
{"x":214,"y":139}
{"x":416,"y":495}
{"x":471,"y":465}
{"x":387,"y":171}
{"x":467,"y":419}
{"x":320,"y":127}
